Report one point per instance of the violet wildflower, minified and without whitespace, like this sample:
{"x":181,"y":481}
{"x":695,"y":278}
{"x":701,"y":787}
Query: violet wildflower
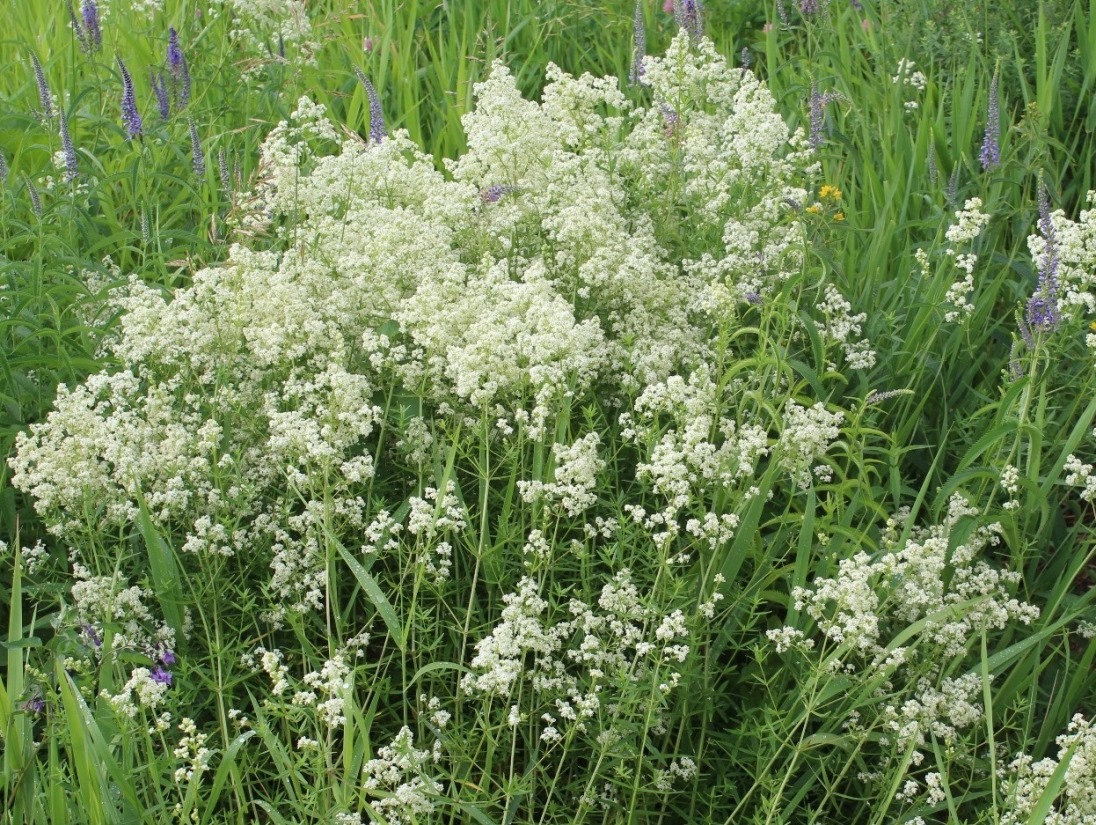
{"x":130,"y":116}
{"x":690,"y":16}
{"x":991,"y":142}
{"x":72,"y":168}
{"x":32,"y":193}
{"x":35,"y":704}
{"x":167,"y":657}
{"x":91,"y":25}
{"x":809,"y":7}
{"x":77,"y":28}
{"x":639,"y":45}
{"x":1042,"y":307}
{"x":92,"y":634}
{"x":45,"y":99}
{"x":377,"y":131}
{"x":159,"y":88}
{"x":753,"y":298}
{"x":180,"y":70}
{"x":197,"y":157}
{"x":495,"y":192}
{"x":161,"y":676}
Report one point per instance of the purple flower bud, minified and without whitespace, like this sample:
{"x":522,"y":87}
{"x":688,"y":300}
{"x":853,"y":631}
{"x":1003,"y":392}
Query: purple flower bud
{"x":35,"y":704}
{"x":639,"y":45}
{"x":91,"y":25}
{"x":45,"y":99}
{"x":752,"y":298}
{"x":167,"y":657}
{"x":809,"y":7}
{"x":72,"y":168}
{"x":377,"y":131}
{"x":991,"y":141}
{"x":130,"y":116}
{"x":159,"y":88}
{"x":198,"y":159}
{"x":162,"y":676}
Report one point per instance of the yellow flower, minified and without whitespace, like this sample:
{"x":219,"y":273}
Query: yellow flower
{"x":815,"y":209}
{"x":839,"y":216}
{"x":829,"y":193}
{"x":1092,"y":326}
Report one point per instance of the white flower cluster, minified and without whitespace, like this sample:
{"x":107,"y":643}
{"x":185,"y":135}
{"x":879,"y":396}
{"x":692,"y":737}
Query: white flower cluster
{"x":399,"y":775}
{"x":620,"y":641}
{"x":269,"y":27}
{"x":907,"y":75}
{"x":807,"y":436}
{"x":1081,"y":475}
{"x":576,"y":470}
{"x":969,"y":223}
{"x":1076,"y":251}
{"x":192,"y":751}
{"x":1028,"y":781}
{"x":959,"y":596}
{"x":538,"y":270}
{"x":840,"y":326}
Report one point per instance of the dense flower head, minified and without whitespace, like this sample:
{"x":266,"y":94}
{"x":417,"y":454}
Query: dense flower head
{"x":92,"y":31}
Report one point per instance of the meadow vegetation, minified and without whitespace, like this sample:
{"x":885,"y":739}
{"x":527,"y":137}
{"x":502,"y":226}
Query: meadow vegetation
{"x":511,"y":412}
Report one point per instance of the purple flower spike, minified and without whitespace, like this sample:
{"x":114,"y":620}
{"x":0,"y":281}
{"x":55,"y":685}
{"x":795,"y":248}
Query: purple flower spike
{"x":45,"y":99}
{"x":1042,"y":307}
{"x":180,"y":70}
{"x":130,"y":116}
{"x":174,"y":53}
{"x":91,"y":25}
{"x":809,"y":7}
{"x":72,"y":168}
{"x":377,"y":132}
{"x":159,"y":87}
{"x":690,"y":16}
{"x":162,"y":676}
{"x":639,"y":46}
{"x":495,"y":192}
{"x":991,"y":142}
{"x":77,"y":28}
